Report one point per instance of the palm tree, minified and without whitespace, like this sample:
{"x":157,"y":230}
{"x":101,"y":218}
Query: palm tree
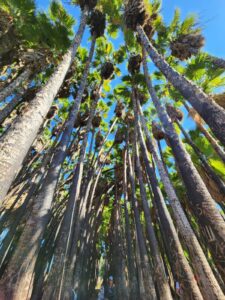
{"x":174,"y":200}
{"x":58,"y":268}
{"x":16,"y":142}
{"x":200,"y":263}
{"x":213,"y":114}
{"x":41,"y":210}
{"x":169,"y":231}
{"x":148,"y":283}
{"x":161,"y":280}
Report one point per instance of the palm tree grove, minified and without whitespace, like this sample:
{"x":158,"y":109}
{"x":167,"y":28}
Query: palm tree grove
{"x":112,"y":152}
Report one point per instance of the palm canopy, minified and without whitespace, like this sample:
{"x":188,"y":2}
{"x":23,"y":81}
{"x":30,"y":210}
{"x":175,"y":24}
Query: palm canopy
{"x":109,"y":191}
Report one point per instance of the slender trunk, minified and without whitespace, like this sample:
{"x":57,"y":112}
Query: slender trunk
{"x":64,"y":243}
{"x":119,"y":255}
{"x":150,"y":292}
{"x":21,"y":79}
{"x":133,"y":288}
{"x":41,"y":211}
{"x":207,"y":280}
{"x":187,"y":278}
{"x":212,"y":113}
{"x":206,"y":133}
{"x":15,"y":144}
{"x":159,"y":270}
{"x":201,"y":201}
{"x":203,"y":160}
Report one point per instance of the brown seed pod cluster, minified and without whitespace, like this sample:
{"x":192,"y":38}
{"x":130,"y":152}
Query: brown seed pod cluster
{"x":129,"y":119}
{"x":187,"y":45}
{"x":97,"y":23}
{"x":134,"y":64}
{"x":64,"y":91}
{"x":119,"y":172}
{"x":220,"y":99}
{"x":141,"y":97}
{"x":157,"y":131}
{"x":52,"y":112}
{"x":119,"y":136}
{"x":135,"y":14}
{"x":174,"y":113}
{"x":96,"y":120}
{"x":99,"y":139}
{"x":82,"y":119}
{"x":88,"y":3}
{"x":107,"y":70}
{"x":119,"y":109}
{"x":95,"y":93}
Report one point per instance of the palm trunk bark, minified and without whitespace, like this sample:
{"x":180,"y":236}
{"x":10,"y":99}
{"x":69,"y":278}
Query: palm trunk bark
{"x":22,"y":78}
{"x":206,"y":166}
{"x":179,"y":259}
{"x":16,"y":142}
{"x":133,"y":286}
{"x":203,"y":205}
{"x":180,"y":266}
{"x":212,"y":113}
{"x":159,"y":270}
{"x":150,"y":292}
{"x":41,"y":210}
{"x":66,"y":230}
{"x":207,"y":134}
{"x":120,"y":279}
{"x":208,"y":283}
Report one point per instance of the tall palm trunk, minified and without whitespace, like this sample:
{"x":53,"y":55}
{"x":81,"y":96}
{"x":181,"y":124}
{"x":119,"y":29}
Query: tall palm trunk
{"x":203,"y":205}
{"x":212,"y":113}
{"x":83,"y":227}
{"x":203,"y":160}
{"x":84,"y":217}
{"x":22,"y":78}
{"x":179,"y":259}
{"x":133,"y":287}
{"x":41,"y":210}
{"x":150,"y":292}
{"x":208,"y":283}
{"x":181,"y":269}
{"x":119,"y":255}
{"x":205,"y":132}
{"x":66,"y":231}
{"x":160,"y":275}
{"x":15,"y":144}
